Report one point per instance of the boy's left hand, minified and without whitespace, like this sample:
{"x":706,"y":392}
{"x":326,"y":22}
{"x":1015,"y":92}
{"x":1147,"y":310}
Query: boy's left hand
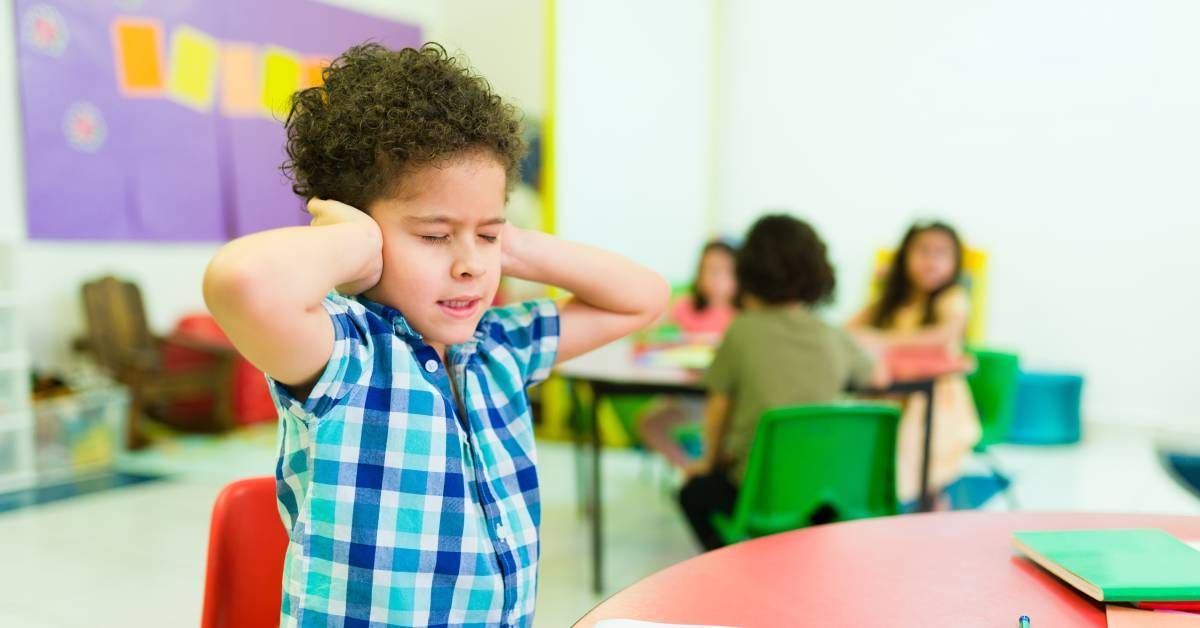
{"x":512,"y":246}
{"x":610,"y":297}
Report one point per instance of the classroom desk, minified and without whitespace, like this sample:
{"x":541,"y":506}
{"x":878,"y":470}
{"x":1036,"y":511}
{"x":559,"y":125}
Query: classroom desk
{"x":935,"y":569}
{"x":612,"y":370}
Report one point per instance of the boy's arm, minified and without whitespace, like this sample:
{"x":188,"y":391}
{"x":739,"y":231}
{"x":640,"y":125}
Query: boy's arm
{"x":266,"y":289}
{"x":612,"y":296}
{"x":866,"y":371}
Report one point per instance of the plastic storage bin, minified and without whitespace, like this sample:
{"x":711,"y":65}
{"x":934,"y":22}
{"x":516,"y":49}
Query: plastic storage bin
{"x":79,"y":434}
{"x":14,"y":458}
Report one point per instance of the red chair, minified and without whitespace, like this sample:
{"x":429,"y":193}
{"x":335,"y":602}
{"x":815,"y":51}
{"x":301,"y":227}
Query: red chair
{"x":244,"y":583}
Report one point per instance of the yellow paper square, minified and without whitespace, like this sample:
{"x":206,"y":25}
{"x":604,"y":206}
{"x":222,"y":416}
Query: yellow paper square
{"x":193,"y":68}
{"x":281,"y":79}
{"x":241,"y":89}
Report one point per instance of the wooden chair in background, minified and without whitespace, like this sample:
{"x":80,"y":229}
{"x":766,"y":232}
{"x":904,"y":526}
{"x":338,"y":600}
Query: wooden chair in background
{"x":120,"y":340}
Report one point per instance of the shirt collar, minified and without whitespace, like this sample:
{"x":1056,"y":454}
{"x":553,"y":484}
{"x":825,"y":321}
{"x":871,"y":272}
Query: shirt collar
{"x":402,"y":328}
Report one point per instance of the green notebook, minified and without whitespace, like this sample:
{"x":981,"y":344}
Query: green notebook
{"x":1139,"y":565}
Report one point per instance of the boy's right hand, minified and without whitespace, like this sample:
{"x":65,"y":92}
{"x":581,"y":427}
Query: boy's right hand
{"x":329,"y":212}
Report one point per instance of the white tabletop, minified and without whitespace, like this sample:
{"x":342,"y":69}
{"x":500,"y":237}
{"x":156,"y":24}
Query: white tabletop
{"x":615,"y":363}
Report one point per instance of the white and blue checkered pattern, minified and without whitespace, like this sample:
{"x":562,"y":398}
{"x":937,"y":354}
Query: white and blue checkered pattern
{"x":402,"y":510}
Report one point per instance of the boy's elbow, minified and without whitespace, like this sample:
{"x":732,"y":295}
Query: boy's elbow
{"x":228,"y":286}
{"x":660,"y":297}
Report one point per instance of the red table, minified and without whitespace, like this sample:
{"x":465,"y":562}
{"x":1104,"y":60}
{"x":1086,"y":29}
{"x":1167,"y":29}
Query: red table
{"x":943,"y":570}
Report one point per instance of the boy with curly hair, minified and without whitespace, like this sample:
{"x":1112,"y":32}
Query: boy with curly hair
{"x":406,"y":474}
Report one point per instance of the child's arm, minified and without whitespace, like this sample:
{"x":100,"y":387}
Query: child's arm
{"x":716,"y":419}
{"x":943,"y":333}
{"x":952,"y":313}
{"x":612,"y":296}
{"x":265,"y":289}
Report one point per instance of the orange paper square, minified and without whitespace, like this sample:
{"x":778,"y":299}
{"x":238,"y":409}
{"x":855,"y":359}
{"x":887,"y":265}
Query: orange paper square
{"x":138,"y":57}
{"x":311,"y":75}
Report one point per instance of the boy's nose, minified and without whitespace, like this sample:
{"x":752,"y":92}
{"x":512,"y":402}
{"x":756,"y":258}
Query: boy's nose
{"x":467,"y":264}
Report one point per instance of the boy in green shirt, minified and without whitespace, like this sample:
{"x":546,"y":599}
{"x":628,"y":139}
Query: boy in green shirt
{"x":776,"y":353}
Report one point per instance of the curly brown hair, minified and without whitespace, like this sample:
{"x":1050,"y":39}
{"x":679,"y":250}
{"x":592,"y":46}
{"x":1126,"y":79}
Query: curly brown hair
{"x":382,"y":114}
{"x":783,"y":260}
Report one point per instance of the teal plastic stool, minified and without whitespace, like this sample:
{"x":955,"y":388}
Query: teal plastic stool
{"x":1046,"y":411}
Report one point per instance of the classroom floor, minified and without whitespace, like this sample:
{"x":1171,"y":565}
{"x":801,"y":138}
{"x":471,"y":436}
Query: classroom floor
{"x":134,"y":556}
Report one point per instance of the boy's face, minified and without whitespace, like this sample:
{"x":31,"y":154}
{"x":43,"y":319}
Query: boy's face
{"x":441,"y":247}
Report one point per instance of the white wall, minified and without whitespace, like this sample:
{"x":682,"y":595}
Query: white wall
{"x":1060,"y":135}
{"x":633,"y":127}
{"x":169,"y":274}
{"x":505,"y":42}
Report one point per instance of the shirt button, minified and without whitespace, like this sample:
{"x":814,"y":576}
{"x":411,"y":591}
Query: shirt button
{"x":431,"y":366}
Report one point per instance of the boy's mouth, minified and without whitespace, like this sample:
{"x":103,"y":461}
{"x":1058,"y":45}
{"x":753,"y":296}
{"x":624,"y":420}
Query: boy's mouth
{"x":459,"y":307}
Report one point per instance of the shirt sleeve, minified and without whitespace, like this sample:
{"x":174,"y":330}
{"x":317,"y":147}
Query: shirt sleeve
{"x":530,"y":330}
{"x":352,"y":349}
{"x":721,"y":376}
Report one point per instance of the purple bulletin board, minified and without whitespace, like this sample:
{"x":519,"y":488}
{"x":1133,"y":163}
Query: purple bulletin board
{"x":159,"y":120}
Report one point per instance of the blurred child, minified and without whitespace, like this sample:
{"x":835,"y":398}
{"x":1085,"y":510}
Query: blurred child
{"x":702,"y":316}
{"x":709,"y":308}
{"x":777,"y":352}
{"x":924,"y":308}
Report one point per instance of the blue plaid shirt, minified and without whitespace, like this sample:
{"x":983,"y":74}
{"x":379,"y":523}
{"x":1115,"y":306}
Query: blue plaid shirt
{"x":401,"y":509}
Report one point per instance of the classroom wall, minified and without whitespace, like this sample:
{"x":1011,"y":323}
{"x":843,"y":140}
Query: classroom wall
{"x":505,"y":42}
{"x":170,"y":274}
{"x":1061,"y":136}
{"x":633,"y":91}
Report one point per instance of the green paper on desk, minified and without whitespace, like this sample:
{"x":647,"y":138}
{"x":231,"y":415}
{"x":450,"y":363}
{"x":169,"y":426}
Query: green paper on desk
{"x":1132,"y":565}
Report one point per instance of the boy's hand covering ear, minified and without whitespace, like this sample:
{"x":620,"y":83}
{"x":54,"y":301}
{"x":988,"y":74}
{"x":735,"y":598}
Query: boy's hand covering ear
{"x":511,"y":248}
{"x":328,"y":212}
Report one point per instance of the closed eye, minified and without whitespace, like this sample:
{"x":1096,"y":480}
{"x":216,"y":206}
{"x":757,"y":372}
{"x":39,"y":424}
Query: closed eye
{"x":488,"y":238}
{"x":435,"y":238}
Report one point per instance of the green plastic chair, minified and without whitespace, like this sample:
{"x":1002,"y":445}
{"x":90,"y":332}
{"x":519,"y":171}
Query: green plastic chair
{"x":994,"y":388}
{"x":816,"y":464}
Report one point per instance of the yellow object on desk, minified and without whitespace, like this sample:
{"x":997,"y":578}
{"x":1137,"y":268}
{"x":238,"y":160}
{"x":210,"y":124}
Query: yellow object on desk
{"x":691,"y":356}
